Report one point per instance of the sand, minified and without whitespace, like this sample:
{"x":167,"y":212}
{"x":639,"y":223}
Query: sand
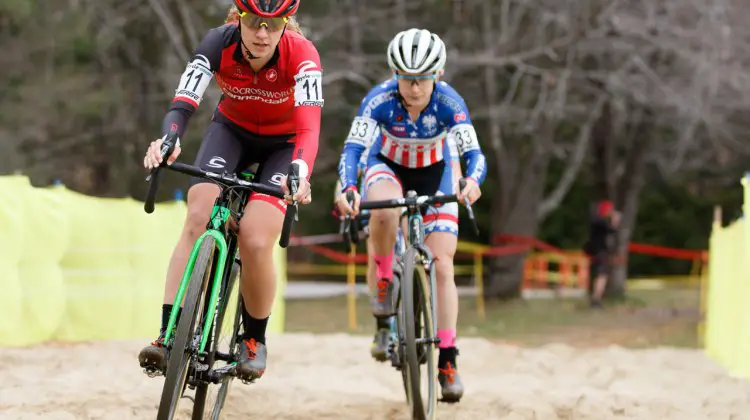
{"x":332,"y":377}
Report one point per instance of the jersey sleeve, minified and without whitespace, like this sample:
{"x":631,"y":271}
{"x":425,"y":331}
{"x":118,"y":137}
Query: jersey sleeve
{"x":362,"y":166}
{"x":362,"y":135}
{"x":455,"y":116}
{"x":308,"y":103}
{"x":194,"y":81}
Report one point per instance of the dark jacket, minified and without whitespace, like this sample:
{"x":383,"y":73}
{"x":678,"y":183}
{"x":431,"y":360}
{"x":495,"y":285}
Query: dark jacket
{"x":601,"y":236}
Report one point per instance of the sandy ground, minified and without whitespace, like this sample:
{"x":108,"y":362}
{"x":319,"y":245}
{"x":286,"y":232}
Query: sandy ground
{"x":332,"y":377}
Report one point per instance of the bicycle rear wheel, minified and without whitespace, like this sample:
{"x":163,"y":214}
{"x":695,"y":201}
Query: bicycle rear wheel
{"x":181,"y":352}
{"x":418,"y":336}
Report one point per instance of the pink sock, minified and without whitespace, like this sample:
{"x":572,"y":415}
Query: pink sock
{"x":384,"y":266}
{"x":447,"y":338}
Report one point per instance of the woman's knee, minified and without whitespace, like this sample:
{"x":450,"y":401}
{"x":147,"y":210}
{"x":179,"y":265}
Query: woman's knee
{"x":443,"y":265}
{"x":384,"y":217}
{"x":200,"y":201}
{"x":259,"y":229}
{"x":385,"y":189}
{"x":258,"y":244}
{"x":443,"y":247}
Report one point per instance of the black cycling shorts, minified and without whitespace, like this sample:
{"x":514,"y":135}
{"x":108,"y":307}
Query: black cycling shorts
{"x":436,"y":179}
{"x":599,"y":264}
{"x":227,"y":147}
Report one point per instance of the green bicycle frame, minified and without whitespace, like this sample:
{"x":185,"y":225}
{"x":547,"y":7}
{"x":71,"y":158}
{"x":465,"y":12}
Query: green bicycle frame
{"x":219,"y":216}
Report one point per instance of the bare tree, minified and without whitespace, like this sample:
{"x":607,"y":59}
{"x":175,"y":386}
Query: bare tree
{"x":632,"y":87}
{"x":641,"y":82}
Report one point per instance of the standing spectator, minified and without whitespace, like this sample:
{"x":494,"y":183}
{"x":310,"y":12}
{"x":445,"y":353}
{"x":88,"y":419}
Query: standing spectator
{"x":603,"y":225}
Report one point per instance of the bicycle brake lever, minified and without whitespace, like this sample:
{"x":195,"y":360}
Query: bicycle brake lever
{"x":167,"y":147}
{"x":352,"y":230}
{"x":461,"y":185}
{"x":293,"y":185}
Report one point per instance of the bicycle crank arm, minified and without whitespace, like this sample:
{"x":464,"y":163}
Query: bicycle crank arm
{"x":216,"y":375}
{"x":428,"y":341}
{"x":224,"y":356}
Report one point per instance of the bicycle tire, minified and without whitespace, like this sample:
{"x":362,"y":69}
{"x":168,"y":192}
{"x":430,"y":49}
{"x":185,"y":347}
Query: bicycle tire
{"x":226,"y":381}
{"x":202,"y":388}
{"x":415,"y":305}
{"x":427,"y":352}
{"x":179,"y":358}
{"x":202,"y":392}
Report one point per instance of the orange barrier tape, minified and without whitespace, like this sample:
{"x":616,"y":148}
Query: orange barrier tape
{"x":517,"y":245}
{"x":326,"y":238}
{"x":529,"y":241}
{"x":674,"y":253}
{"x":636,"y":248}
{"x":500,"y":251}
{"x":339,"y":257}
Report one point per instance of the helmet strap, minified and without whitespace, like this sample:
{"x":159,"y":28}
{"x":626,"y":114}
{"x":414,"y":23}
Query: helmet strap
{"x":246,"y":53}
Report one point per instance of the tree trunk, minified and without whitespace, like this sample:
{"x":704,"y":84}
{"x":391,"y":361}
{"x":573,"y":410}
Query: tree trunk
{"x":628,"y":192}
{"x":603,"y":147}
{"x":506,"y":272}
{"x":520,"y":215}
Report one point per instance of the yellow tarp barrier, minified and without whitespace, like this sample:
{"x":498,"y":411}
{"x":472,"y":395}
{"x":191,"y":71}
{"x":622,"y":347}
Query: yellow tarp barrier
{"x":77,"y":268}
{"x":727,"y":318}
{"x":12,"y":214}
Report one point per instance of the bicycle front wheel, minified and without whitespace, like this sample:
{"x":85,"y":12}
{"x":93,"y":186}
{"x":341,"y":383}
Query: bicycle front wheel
{"x":227,"y":331}
{"x":418,"y":336}
{"x":181,"y":353}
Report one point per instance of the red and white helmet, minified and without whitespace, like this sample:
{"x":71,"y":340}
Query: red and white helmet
{"x":268,"y":8}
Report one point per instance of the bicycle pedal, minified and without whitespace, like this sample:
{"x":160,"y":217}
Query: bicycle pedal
{"x":216,"y":375}
{"x":152,"y":373}
{"x":199,"y":367}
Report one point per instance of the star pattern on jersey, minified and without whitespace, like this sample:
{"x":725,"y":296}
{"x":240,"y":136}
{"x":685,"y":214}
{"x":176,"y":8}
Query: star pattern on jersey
{"x":413,"y":140}
{"x":441,"y":228}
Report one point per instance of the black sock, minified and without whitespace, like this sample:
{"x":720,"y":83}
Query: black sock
{"x":254,"y":328}
{"x":382,"y":323}
{"x":447,"y":355}
{"x":166,"y":309}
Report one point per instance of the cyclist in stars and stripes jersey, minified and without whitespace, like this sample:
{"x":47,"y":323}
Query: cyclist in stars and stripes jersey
{"x":416,"y":115}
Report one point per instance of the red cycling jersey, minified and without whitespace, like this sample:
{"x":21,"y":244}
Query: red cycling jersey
{"x":283,"y":98}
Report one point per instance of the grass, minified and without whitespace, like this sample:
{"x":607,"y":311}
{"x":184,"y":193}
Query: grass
{"x":644,"y":319}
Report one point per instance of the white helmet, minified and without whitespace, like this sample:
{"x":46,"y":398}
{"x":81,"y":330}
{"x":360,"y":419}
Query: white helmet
{"x":416,"y":51}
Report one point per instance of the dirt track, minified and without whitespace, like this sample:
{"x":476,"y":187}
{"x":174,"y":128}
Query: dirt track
{"x":332,"y":377}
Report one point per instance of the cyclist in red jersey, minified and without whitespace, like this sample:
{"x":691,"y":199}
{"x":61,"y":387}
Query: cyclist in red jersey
{"x":269,"y":114}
